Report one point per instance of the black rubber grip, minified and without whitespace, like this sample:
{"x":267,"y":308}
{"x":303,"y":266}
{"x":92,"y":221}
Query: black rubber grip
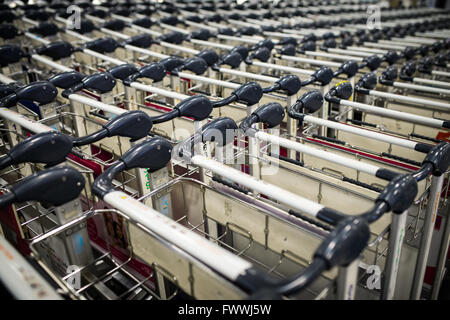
{"x":423,"y":147}
{"x":361,"y":123}
{"x":336,"y":141}
{"x":386,"y":174}
{"x":361,"y":184}
{"x":405,"y":160}
{"x":230,"y":185}
{"x":419,"y":136}
{"x":296,"y":162}
{"x":309,"y":220}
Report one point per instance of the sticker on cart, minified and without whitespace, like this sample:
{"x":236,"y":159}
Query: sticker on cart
{"x":164,"y":205}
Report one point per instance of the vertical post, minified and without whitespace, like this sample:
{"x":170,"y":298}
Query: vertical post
{"x":325,"y":110}
{"x":131,"y":97}
{"x":253,"y":148}
{"x":347,"y":280}
{"x":291,"y":128}
{"x":347,"y":110}
{"x":396,"y":237}
{"x":76,"y":241}
{"x":427,"y":233}
{"x":443,"y":251}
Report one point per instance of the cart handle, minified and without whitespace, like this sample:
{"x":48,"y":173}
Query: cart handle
{"x":42,"y":92}
{"x":195,"y":64}
{"x":141,"y":41}
{"x":54,"y":186}
{"x":66,"y":80}
{"x":372,"y":62}
{"x":155,"y":71}
{"x":102,"y":82}
{"x":50,"y":148}
{"x":323,"y":75}
{"x":349,"y":68}
{"x":102,"y":45}
{"x":134,"y":124}
{"x":152,"y":154}
{"x":290,"y":84}
{"x":56,"y":50}
{"x":198,"y":107}
{"x":250,"y":93}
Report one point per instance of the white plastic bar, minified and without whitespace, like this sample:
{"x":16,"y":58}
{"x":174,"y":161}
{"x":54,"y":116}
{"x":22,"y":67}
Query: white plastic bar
{"x":79,"y":36}
{"x":96,"y":19}
{"x":383,"y":46}
{"x":50,"y":63}
{"x":435,"y":123}
{"x":321,"y":154}
{"x":178,"y":47}
{"x":114,"y":33}
{"x":436,"y":83}
{"x":104,"y":57}
{"x":36,"y":37}
{"x":213,"y":81}
{"x":96,"y":104}
{"x":165,"y":93}
{"x":212,"y":44}
{"x":332,"y":56}
{"x":283,"y":68}
{"x":440,"y":73}
{"x":232,"y":38}
{"x":145,"y":30}
{"x":280,"y":34}
{"x":380,"y":51}
{"x":311,"y":61}
{"x":116,"y":16}
{"x":219,"y":259}
{"x":419,"y":40}
{"x":34,"y":23}
{"x":24,"y":121}
{"x":21,"y":279}
{"x":199,"y":25}
{"x":422,"y":102}
{"x":349,"y":52}
{"x":361,"y":132}
{"x":168,"y":27}
{"x":421,"y":88}
{"x":5,"y":79}
{"x":401,"y":43}
{"x":255,"y":76}
{"x":146,"y":51}
{"x":288,"y":198}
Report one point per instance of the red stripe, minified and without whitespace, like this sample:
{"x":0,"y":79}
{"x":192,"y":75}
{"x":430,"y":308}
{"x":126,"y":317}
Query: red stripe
{"x":392,"y":162}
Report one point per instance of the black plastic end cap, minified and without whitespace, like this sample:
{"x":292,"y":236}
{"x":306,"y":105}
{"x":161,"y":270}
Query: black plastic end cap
{"x":250,"y":93}
{"x":311,"y":101}
{"x":198,"y":107}
{"x":134,"y":124}
{"x":66,"y":80}
{"x":400,"y":193}
{"x":345,"y":243}
{"x":152,"y":154}
{"x":439,"y":157}
{"x":271,"y":114}
{"x":123,"y":71}
{"x":55,"y":186}
{"x":344,"y":90}
{"x":221,"y":131}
